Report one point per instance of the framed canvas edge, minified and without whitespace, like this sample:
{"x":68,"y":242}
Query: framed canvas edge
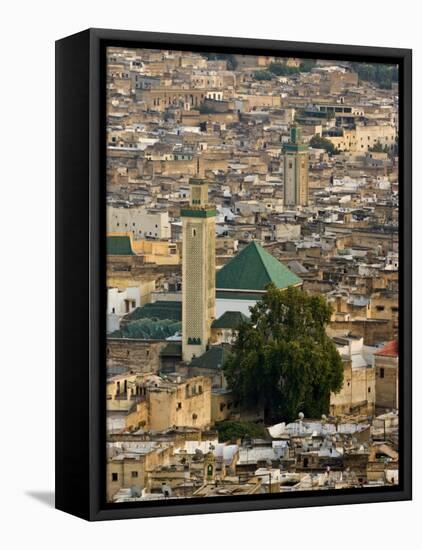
{"x":95,"y":455}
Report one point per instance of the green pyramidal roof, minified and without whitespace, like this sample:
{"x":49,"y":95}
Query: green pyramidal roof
{"x":253,"y":269}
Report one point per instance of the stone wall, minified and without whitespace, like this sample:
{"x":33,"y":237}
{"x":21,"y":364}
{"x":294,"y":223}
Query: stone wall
{"x":141,"y":356}
{"x":373,"y":331}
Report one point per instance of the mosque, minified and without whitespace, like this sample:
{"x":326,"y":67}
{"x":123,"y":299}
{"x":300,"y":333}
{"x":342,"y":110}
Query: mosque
{"x":214,"y":302}
{"x":207,"y":298}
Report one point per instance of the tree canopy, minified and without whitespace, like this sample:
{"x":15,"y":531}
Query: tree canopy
{"x":319,"y":142}
{"x":282,"y":359}
{"x":231,"y":430}
{"x":262,"y":75}
{"x":282,"y":69}
{"x":379,"y":73}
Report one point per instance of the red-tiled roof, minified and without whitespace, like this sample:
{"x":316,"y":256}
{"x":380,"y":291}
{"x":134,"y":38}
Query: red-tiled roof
{"x":389,"y":350}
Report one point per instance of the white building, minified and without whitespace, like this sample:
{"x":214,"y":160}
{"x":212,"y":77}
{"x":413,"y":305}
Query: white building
{"x":121,"y":302}
{"x":143,"y":222}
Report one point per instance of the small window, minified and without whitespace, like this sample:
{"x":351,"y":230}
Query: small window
{"x":382,"y":372}
{"x":114,"y":477}
{"x":134,"y":474}
{"x":179,"y":406}
{"x":369,"y":390}
{"x":193,"y":232}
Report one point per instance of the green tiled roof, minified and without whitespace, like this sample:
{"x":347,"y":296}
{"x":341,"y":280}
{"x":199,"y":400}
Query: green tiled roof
{"x":157,"y":310}
{"x":233,"y":295}
{"x":253,"y":269}
{"x":119,"y":245}
{"x":172,"y":349}
{"x":214,"y":358}
{"x":230,"y":319}
{"x":148,"y":329}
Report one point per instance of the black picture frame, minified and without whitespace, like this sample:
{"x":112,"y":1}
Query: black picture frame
{"x":80,"y":273}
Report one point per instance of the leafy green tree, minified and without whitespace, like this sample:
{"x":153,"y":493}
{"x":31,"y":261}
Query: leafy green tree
{"x":262,"y":75}
{"x":282,"y":360}
{"x":230,"y":430}
{"x":280,"y":69}
{"x":379,"y":73}
{"x":319,"y":142}
{"x":307,"y":65}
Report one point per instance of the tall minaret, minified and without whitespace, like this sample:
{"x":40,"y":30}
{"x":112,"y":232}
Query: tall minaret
{"x":198,"y":272}
{"x":296,"y":160}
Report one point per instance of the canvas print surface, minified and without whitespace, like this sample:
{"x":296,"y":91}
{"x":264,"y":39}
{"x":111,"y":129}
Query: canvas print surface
{"x":252,"y":275}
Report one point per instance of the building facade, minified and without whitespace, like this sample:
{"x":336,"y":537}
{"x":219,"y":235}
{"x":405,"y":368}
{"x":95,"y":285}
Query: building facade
{"x":387,"y":377}
{"x":142,"y":222}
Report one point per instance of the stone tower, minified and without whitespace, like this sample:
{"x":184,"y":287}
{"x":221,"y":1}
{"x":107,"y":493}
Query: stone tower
{"x":296,"y":179}
{"x":198,"y":271}
{"x":209,"y":467}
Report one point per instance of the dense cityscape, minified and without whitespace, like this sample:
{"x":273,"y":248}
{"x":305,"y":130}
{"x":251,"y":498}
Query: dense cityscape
{"x":252,"y":275}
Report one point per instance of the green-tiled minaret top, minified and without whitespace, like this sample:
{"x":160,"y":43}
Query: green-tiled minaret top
{"x":295,"y":134}
{"x":296,"y":143}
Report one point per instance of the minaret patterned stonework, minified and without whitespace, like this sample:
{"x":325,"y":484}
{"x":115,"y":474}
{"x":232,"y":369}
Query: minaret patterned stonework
{"x":198,"y":271}
{"x":296,"y":177}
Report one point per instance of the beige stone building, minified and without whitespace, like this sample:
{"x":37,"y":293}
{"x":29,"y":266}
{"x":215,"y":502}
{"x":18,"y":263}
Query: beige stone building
{"x":362,"y":138}
{"x":186,"y":403}
{"x":358,"y":392}
{"x":198,"y":271}
{"x":128,"y":469}
{"x":157,"y":252}
{"x":387,"y":377}
{"x":164,"y":403}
